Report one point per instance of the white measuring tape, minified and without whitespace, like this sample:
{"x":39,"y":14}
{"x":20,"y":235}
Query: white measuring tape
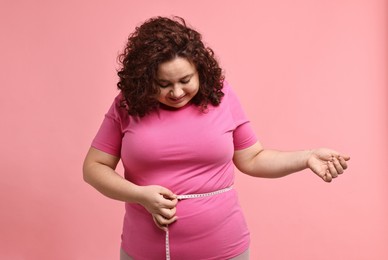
{"x":191,"y":196}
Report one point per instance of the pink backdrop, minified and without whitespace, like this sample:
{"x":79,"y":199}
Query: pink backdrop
{"x":309,"y":73}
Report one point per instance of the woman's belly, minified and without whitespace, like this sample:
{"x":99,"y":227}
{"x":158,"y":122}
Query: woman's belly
{"x":207,"y":228}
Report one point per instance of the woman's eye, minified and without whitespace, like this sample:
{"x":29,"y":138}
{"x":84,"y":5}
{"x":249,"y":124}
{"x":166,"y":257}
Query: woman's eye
{"x":185,"y":81}
{"x":164,"y":86}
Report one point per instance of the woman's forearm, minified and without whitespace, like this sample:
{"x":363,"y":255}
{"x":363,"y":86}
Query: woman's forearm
{"x":109,"y":183}
{"x":259,"y":162}
{"x":275,"y":164}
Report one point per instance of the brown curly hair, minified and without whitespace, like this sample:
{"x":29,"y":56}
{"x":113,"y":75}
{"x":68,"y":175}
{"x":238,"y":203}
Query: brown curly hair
{"x":158,"y":40}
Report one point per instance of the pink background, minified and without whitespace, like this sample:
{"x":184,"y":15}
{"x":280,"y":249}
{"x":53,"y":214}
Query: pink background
{"x":309,"y":74}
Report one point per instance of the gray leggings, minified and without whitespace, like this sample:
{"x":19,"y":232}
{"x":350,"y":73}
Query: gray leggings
{"x":243,"y":256}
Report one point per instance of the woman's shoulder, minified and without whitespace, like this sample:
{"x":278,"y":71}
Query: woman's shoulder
{"x":117,"y":109}
{"x":225,"y":86}
{"x":228,"y":91}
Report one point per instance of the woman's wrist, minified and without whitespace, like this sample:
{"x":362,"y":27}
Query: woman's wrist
{"x":135,"y":194}
{"x":308,"y":155}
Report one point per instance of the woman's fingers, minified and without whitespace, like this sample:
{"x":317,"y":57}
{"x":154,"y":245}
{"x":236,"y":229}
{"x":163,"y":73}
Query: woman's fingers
{"x":327,"y":164}
{"x":165,"y":217}
{"x":154,"y":198}
{"x":161,"y":222}
{"x":338,"y":166}
{"x":158,"y":224}
{"x":169,"y":203}
{"x":345,"y":157}
{"x":167,"y":213}
{"x":332,"y":170}
{"x":167,"y":194}
{"x":335,"y":167}
{"x":169,"y":199}
{"x":343,"y":163}
{"x":327,"y":177}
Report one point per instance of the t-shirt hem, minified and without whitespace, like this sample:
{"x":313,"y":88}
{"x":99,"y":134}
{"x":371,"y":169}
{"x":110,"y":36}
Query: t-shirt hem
{"x":235,"y":252}
{"x":105,"y":149}
{"x":248,"y":143}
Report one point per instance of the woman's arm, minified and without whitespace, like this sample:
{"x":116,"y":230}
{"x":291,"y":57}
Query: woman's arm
{"x":99,"y":171}
{"x":259,"y":162}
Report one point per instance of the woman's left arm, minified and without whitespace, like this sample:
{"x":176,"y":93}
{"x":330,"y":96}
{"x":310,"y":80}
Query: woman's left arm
{"x":259,"y":162}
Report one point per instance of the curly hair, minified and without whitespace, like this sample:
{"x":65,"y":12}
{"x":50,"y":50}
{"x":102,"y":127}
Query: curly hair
{"x":156,"y":41}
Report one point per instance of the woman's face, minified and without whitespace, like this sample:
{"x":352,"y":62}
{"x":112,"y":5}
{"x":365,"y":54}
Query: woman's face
{"x":178,"y":82}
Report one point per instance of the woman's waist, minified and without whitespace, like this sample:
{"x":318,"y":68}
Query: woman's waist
{"x":199,"y":216}
{"x":184,"y":186}
{"x":192,"y":204}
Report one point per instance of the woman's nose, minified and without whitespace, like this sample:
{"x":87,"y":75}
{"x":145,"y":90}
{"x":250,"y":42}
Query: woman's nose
{"x":176,"y":92}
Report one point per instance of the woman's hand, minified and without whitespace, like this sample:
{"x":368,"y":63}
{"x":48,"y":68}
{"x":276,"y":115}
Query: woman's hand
{"x":327,"y":164}
{"x":161,"y":203}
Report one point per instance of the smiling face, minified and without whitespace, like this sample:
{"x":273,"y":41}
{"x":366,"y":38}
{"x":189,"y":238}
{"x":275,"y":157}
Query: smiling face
{"x":178,"y":82}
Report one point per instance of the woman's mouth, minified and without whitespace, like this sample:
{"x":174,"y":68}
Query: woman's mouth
{"x":177,"y":100}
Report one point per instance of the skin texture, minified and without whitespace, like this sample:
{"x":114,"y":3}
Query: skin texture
{"x":178,"y":81}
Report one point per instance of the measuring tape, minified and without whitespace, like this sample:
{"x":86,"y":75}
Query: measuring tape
{"x":191,"y":196}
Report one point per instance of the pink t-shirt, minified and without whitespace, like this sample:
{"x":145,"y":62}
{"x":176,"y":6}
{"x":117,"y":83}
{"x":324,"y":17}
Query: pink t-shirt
{"x":187,"y":151}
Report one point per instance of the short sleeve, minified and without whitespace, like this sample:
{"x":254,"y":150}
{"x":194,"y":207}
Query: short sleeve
{"x":243,"y":134}
{"x":109,"y":137}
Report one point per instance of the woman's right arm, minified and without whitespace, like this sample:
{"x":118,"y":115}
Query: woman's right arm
{"x":99,"y":171}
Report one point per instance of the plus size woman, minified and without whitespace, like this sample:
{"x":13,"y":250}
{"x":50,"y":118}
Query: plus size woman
{"x":180,"y":131}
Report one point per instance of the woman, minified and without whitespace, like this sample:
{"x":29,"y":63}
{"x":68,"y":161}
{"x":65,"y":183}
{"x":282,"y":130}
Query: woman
{"x":179,"y":130}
